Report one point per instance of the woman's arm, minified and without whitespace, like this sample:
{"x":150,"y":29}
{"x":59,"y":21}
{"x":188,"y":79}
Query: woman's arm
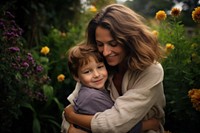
{"x":78,"y":119}
{"x":72,"y":129}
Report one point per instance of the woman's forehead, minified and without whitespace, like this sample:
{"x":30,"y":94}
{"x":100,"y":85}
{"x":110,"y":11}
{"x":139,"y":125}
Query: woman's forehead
{"x":103,"y":34}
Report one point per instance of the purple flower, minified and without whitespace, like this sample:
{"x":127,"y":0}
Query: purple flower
{"x":25,"y":64}
{"x":2,"y":24}
{"x":14,"y":49}
{"x":39,"y":68}
{"x":30,"y":58}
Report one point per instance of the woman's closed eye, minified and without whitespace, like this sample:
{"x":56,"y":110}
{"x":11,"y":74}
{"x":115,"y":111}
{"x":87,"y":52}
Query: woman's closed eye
{"x":99,"y":44}
{"x":112,"y":43}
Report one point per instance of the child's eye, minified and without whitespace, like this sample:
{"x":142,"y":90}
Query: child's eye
{"x":86,"y":72}
{"x":101,"y":66}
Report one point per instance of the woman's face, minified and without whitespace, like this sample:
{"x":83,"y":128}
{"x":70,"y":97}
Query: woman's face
{"x":113,"y":52}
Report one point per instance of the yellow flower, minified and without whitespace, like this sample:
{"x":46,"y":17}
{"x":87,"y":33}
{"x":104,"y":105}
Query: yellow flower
{"x":161,"y":15}
{"x":60,"y":77}
{"x":169,"y":46}
{"x":45,"y":50}
{"x":155,"y":32}
{"x":175,"y":12}
{"x":92,"y":9}
{"x":196,"y":15}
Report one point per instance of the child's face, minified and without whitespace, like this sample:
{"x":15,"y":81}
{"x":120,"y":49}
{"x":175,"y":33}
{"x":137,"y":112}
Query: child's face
{"x":93,"y":74}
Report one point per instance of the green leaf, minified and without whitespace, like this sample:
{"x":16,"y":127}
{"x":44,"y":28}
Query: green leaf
{"x":28,"y":106}
{"x":36,"y":125}
{"x":60,"y":106}
{"x":48,"y":92}
{"x":44,"y":59}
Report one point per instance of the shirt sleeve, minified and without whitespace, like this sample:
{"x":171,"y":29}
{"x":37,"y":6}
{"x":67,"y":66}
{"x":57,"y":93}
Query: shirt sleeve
{"x":136,"y":102}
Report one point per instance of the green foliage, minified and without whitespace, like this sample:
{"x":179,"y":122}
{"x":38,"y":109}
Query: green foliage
{"x":37,"y":17}
{"x":182,"y":73}
{"x":25,"y":85}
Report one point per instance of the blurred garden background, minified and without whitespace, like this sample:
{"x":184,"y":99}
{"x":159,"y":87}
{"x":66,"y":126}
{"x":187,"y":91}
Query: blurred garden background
{"x":35,"y":81}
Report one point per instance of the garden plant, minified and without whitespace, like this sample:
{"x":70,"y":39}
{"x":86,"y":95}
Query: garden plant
{"x":181,"y":67}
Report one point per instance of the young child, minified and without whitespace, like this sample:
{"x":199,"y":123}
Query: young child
{"x":87,"y":67}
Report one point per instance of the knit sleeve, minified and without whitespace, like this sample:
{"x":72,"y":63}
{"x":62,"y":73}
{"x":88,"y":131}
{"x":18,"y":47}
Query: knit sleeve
{"x":144,"y":93}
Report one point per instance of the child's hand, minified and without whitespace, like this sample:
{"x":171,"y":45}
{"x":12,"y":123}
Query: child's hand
{"x":151,"y":124}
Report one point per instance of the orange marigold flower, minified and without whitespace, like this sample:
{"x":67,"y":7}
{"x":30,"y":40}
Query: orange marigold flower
{"x":194,"y":95}
{"x":61,"y":77}
{"x":196,"y":15}
{"x":175,"y":12}
{"x":161,"y":15}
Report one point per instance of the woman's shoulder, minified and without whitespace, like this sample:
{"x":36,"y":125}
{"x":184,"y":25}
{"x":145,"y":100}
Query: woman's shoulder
{"x":154,"y":71}
{"x":155,"y":67}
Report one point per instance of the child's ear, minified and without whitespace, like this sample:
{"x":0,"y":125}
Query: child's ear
{"x":76,"y":78}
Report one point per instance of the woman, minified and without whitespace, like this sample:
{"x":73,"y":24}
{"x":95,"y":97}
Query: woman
{"x":132,"y":53}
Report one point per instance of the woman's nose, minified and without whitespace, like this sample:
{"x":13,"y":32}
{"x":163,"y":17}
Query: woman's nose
{"x":106,"y":50}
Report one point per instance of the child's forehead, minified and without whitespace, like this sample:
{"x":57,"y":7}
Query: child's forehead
{"x":90,"y":58}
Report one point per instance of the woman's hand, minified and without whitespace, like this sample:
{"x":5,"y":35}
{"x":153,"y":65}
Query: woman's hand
{"x":78,"y":119}
{"x":72,"y":129}
{"x":68,"y":112}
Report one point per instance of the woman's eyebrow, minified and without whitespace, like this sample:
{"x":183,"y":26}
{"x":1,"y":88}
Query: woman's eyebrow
{"x":105,"y":42}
